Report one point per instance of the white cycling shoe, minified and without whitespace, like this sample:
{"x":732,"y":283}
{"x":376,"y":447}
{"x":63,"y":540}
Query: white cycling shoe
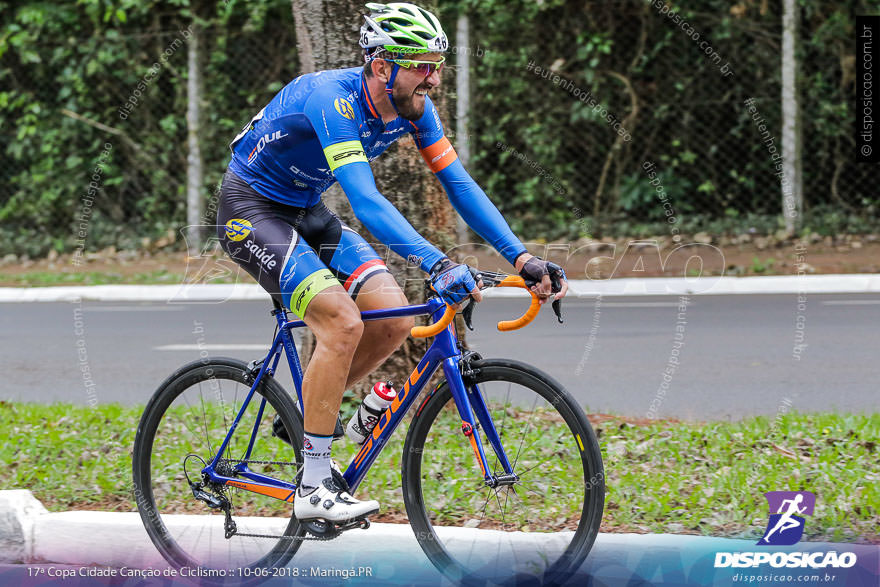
{"x":331,"y":502}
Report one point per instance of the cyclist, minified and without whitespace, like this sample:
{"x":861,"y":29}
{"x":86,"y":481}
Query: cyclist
{"x":325,"y":127}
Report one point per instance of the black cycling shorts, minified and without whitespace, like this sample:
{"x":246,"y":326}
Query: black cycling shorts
{"x":294,"y":253}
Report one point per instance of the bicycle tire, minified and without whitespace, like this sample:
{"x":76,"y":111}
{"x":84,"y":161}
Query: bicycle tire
{"x":419,"y":512}
{"x":213,"y":370}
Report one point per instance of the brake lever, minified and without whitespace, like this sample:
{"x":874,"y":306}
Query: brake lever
{"x":467,"y":313}
{"x":555,"y":286}
{"x":557,"y":309}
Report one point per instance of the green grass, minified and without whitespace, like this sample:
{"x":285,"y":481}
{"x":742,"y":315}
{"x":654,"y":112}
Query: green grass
{"x":709,"y":478}
{"x":760,"y":267}
{"x":699,"y":478}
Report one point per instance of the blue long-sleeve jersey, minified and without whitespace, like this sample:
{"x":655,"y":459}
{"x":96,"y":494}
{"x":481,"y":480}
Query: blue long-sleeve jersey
{"x":323,"y":127}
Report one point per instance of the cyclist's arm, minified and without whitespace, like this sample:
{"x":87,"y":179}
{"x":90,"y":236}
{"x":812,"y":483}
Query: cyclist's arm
{"x":478,"y":210}
{"x":381,"y":218}
{"x":466,"y":196}
{"x":338,"y":135}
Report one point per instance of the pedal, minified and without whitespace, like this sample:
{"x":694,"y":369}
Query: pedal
{"x":362,"y":523}
{"x":327,"y":530}
{"x":321,"y":529}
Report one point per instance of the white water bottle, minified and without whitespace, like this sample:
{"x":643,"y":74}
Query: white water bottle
{"x":367,"y":415}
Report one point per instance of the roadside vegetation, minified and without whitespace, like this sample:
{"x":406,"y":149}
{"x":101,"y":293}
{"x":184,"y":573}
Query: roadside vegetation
{"x":662,"y":476}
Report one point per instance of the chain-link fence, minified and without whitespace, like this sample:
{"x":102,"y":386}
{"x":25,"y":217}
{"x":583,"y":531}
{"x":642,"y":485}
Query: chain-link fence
{"x":628,"y":113}
{"x":625,"y":117}
{"x":94,"y":130}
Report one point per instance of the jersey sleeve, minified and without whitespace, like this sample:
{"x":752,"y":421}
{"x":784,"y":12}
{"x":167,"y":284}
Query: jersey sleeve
{"x":382,"y":219}
{"x":466,"y":196}
{"x":335,"y":122}
{"x":338,"y":135}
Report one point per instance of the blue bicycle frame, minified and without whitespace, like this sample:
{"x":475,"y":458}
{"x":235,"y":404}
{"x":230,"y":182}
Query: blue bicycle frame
{"x":443,"y":352}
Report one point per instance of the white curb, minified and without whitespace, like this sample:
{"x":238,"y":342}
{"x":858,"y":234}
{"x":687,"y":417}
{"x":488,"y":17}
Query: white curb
{"x":718,"y":285}
{"x":19,"y":510}
{"x":172,"y":294}
{"x":216,"y":293}
{"x":119,"y":540}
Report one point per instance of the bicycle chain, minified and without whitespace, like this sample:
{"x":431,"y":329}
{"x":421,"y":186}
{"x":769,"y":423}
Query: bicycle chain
{"x":291,"y":538}
{"x":257,"y":462}
{"x":272,"y":536}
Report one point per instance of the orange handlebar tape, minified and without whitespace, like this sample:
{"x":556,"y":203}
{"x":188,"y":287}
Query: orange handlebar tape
{"x":437,"y":327}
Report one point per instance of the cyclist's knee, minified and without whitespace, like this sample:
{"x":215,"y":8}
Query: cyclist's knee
{"x":398,"y":329}
{"x":348,"y":329}
{"x":336,"y":322}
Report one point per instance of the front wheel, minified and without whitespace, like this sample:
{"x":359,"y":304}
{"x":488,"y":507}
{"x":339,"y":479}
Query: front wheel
{"x":539,"y":528}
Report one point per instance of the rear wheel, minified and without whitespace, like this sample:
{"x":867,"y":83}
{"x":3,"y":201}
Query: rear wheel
{"x":179,"y":433}
{"x":541,"y":526}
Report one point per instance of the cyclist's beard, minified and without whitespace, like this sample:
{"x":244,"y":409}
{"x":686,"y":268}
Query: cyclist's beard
{"x":409,"y":106}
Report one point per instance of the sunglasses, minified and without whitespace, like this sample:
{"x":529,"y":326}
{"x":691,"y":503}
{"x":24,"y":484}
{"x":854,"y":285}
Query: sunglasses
{"x":425,"y":68}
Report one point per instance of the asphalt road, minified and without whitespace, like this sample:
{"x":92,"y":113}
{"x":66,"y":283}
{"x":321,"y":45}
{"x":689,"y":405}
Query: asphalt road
{"x":723,"y":357}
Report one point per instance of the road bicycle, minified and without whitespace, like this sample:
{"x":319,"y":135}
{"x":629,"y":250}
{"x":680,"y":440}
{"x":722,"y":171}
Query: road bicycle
{"x":502,"y":473}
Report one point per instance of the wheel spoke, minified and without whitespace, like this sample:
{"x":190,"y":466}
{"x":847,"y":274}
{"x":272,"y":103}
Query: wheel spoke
{"x":222,"y":407}
{"x":529,"y":427}
{"x":506,"y":497}
{"x":529,"y":414}
{"x":500,"y":508}
{"x":205,"y":419}
{"x":234,"y":413}
{"x":504,"y":408}
{"x":191,"y":409}
{"x":473,"y":491}
{"x":189,"y":424}
{"x":526,"y":485}
{"x":552,"y":455}
{"x":485,"y":505}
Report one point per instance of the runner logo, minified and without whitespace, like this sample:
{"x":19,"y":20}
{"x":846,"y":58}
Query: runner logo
{"x":786,"y":524}
{"x":786,"y":527}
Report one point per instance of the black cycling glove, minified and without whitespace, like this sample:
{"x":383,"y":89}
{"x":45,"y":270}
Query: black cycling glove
{"x":536,"y":268}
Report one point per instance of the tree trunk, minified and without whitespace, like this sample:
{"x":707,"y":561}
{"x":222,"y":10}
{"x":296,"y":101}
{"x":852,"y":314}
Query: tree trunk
{"x":327,"y":33}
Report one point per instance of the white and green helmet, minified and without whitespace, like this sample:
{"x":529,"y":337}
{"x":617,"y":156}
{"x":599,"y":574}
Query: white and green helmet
{"x":400,"y":27}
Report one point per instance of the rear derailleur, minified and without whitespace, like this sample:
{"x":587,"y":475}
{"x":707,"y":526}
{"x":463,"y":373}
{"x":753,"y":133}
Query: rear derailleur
{"x":214,"y":498}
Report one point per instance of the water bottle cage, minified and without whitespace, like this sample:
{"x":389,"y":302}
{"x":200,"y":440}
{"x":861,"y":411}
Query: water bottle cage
{"x":367,"y":427}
